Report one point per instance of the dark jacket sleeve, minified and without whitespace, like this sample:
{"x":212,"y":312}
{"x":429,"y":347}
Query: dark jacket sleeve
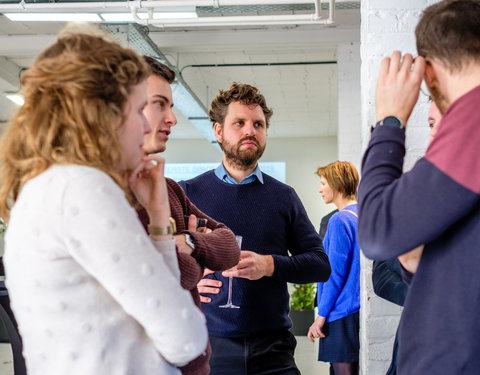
{"x":399,"y":212}
{"x":388,"y":282}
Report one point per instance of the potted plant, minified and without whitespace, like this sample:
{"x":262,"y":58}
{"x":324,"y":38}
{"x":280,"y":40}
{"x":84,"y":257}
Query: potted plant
{"x":302,"y":308}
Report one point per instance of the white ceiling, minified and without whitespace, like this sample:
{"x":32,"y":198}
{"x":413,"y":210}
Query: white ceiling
{"x":304,"y":97}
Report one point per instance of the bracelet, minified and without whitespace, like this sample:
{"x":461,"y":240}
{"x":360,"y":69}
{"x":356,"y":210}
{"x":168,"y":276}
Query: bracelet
{"x":163,"y":230}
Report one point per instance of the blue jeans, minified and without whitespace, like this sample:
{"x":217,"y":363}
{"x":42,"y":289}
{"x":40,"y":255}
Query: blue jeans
{"x":269,"y":353}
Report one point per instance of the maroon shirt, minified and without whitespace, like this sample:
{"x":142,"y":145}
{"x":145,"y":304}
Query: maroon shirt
{"x":217,"y":250}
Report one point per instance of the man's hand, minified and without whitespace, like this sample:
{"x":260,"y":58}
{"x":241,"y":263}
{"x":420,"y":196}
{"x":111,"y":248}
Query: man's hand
{"x":411,"y":260}
{"x":251,"y":266}
{"x":315,"y":329}
{"x":208,"y":286}
{"x":398,"y":86}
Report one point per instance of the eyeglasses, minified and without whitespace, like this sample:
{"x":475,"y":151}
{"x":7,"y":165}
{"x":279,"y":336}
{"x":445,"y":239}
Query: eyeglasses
{"x":424,"y":90}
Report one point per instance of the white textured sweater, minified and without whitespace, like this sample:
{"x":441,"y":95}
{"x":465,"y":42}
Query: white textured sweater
{"x":91,"y":293}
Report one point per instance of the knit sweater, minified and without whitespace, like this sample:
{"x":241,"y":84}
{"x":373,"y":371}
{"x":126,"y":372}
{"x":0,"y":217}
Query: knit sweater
{"x":340,"y":295}
{"x":272,"y":220}
{"x":91,"y":293}
{"x":437,"y":203}
{"x":216,"y":250}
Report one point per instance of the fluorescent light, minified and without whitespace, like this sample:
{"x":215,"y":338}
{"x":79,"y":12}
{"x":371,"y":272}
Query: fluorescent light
{"x":54,"y":17}
{"x":128,"y":17}
{"x":16,"y":98}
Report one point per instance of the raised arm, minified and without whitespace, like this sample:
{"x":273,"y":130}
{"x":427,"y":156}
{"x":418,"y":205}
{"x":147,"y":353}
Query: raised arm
{"x":392,"y":204}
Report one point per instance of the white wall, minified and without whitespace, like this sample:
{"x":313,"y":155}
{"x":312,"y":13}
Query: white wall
{"x":349,"y":104}
{"x":302,"y":157}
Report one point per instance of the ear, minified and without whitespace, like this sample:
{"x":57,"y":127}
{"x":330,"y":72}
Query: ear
{"x":430,"y":73}
{"x":217,"y":128}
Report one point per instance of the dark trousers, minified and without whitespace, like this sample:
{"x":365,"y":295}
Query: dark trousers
{"x":268,"y":353}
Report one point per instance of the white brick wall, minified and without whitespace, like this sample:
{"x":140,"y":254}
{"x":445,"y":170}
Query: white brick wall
{"x":349,"y":130}
{"x":387,"y":25}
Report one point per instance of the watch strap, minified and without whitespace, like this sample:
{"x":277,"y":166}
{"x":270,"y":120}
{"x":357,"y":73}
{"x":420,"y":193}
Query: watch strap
{"x":390,"y":121}
{"x":164,"y":229}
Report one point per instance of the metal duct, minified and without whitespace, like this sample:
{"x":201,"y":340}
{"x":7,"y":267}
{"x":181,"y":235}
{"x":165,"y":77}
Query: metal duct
{"x":185,"y":99}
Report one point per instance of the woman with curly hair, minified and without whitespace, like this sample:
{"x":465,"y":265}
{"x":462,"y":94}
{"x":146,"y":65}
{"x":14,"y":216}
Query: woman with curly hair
{"x":91,"y":292}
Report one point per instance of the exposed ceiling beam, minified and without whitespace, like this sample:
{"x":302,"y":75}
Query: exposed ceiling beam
{"x":184,"y":97}
{"x":10,"y":74}
{"x":25,"y":45}
{"x":188,"y":41}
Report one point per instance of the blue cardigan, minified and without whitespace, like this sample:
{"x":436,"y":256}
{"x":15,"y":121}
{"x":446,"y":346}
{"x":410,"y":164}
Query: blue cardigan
{"x":340,"y":295}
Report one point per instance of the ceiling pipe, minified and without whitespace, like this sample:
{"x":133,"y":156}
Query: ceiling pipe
{"x":180,"y":71}
{"x":103,"y":5}
{"x":150,"y":5}
{"x":295,"y":19}
{"x":233,"y":21}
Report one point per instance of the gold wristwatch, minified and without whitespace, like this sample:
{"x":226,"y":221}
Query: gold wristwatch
{"x":163,"y":230}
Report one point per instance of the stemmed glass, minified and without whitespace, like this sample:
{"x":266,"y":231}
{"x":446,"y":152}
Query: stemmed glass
{"x":230,"y":304}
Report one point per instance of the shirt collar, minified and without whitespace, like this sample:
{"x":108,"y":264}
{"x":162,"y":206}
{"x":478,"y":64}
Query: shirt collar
{"x":223,"y":175}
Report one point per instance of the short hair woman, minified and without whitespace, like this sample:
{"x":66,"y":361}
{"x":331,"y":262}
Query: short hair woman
{"x":337,"y":323}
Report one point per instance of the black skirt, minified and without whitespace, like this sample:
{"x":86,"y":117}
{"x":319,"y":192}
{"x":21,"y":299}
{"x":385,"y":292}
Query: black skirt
{"x":341,"y":343}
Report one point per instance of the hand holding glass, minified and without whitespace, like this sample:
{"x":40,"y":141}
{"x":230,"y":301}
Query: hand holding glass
{"x":230,"y":304}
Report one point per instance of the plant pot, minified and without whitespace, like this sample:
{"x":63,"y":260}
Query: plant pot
{"x":301,"y":321}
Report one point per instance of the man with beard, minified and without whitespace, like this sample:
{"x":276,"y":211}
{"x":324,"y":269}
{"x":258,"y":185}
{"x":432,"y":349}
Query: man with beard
{"x":437,"y":203}
{"x":253,"y":338}
{"x":215,"y":247}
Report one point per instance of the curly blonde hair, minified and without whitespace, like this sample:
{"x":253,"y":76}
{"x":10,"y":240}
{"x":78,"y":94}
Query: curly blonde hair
{"x":76,"y":95}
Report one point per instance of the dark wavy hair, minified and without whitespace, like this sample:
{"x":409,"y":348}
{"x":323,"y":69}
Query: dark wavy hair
{"x":159,"y":69}
{"x":238,"y":92}
{"x":450,"y":31}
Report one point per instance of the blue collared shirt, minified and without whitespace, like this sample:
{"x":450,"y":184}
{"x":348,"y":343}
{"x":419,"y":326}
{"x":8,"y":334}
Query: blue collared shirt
{"x":223,"y":175}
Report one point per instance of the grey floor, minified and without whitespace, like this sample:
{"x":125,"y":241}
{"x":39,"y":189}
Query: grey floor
{"x":305,"y":356}
{"x":6,"y":360}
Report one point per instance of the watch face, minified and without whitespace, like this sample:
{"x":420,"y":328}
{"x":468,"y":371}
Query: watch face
{"x":392,"y":121}
{"x":190,"y":241}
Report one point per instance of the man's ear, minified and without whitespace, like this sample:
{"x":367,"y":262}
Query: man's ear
{"x":217,"y":128}
{"x":430,"y":73}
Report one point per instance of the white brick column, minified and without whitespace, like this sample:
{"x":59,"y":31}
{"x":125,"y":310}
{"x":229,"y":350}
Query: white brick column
{"x":349,"y":138}
{"x":387,"y":25}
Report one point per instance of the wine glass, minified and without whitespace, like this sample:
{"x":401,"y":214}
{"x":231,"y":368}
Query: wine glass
{"x":229,"y":304}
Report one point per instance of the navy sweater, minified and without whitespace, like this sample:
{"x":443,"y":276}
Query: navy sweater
{"x":437,"y":203}
{"x":272,"y":220}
